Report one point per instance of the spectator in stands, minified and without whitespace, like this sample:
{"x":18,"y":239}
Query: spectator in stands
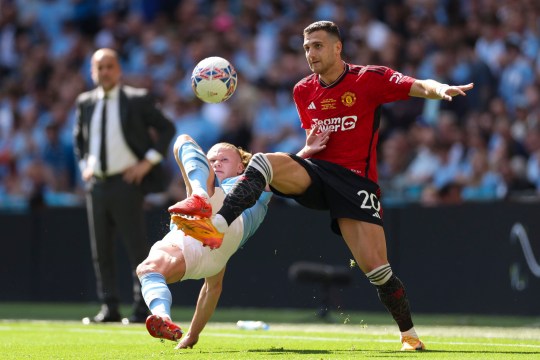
{"x":481,"y":183}
{"x":424,"y":161}
{"x":517,"y":73}
{"x":513,"y":173}
{"x":395,"y":158}
{"x":274,"y":124}
{"x":490,"y":46}
{"x":45,"y":44}
{"x":447,"y":194}
{"x":58,"y":156}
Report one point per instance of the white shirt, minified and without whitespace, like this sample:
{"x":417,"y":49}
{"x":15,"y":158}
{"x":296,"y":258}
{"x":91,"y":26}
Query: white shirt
{"x":119,"y":155}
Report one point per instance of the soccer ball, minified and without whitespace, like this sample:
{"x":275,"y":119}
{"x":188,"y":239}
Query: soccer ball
{"x":214,"y":79}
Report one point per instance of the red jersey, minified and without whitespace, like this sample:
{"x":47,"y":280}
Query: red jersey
{"x":350,"y":107}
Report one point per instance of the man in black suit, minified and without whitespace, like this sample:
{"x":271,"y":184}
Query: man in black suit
{"x":121,"y":137}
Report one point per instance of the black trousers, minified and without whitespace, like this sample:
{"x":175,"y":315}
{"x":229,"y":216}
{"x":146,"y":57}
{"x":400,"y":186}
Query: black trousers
{"x":116,"y":208}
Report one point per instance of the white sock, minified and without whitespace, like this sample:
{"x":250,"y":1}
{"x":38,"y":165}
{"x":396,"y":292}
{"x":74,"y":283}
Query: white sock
{"x":220,"y":223}
{"x":196,"y":190}
{"x":161,"y":311}
{"x":410,"y":332}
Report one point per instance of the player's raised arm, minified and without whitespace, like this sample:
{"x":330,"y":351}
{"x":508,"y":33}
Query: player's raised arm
{"x":431,"y":89}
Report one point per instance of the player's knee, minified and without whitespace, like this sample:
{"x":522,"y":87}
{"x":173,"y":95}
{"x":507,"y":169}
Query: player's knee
{"x":147,"y":266}
{"x":184,"y":138}
{"x":141,"y":269}
{"x":180,"y":140}
{"x":275,"y":159}
{"x":288,"y":175}
{"x":261,"y":163}
{"x":379,"y":275}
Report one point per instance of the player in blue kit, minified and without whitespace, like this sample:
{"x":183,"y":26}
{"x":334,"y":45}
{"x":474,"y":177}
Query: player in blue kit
{"x":179,"y":257}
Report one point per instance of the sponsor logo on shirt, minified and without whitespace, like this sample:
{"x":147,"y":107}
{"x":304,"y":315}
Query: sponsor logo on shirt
{"x":348,"y":99}
{"x":312,"y":106}
{"x":334,"y":124}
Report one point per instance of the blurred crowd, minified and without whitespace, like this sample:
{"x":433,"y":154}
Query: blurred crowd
{"x":485,"y":146}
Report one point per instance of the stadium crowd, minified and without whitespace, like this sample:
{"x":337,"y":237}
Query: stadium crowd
{"x":485,"y":146}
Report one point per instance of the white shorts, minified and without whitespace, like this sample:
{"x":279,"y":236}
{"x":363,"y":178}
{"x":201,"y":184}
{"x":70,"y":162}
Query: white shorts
{"x":202,"y":262}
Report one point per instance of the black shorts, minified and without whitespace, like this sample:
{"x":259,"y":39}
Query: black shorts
{"x":339,"y":190}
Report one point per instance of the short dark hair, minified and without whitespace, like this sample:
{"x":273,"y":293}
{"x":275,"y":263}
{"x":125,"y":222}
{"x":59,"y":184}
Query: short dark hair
{"x":328,"y":26}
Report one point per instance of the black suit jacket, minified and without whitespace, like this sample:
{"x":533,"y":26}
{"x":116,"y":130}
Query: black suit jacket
{"x":144,"y":127}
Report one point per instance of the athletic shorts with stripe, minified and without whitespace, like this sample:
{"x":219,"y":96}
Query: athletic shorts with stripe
{"x":339,"y":190}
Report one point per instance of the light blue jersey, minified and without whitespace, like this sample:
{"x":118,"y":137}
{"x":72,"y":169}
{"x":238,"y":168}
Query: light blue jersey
{"x":254,"y":216}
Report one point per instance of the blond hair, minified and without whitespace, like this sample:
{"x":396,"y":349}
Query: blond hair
{"x":245,"y":156}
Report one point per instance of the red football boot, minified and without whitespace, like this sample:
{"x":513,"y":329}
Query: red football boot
{"x":194,"y":205}
{"x":162,"y":328}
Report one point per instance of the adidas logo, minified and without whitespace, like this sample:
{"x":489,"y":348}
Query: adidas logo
{"x":312,"y":106}
{"x":377,"y":215}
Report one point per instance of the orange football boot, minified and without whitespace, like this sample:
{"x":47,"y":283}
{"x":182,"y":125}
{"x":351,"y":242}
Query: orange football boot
{"x":199,"y":229}
{"x":411,"y":343}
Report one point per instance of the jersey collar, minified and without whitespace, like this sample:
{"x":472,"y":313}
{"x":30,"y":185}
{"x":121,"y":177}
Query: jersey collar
{"x":335,"y":82}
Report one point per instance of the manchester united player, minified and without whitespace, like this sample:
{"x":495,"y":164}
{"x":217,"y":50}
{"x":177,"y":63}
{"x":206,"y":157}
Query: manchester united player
{"x":339,"y":106}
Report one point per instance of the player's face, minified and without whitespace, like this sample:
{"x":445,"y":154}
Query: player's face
{"x":322,"y":51}
{"x":226,"y":162}
{"x":106,"y":70}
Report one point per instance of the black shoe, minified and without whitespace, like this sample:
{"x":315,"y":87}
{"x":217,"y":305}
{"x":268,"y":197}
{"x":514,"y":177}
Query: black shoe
{"x":136,"y":319}
{"x":105,"y":315}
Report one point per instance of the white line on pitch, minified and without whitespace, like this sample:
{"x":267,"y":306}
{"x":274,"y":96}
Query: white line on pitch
{"x":291,"y":337}
{"x":312,"y":338}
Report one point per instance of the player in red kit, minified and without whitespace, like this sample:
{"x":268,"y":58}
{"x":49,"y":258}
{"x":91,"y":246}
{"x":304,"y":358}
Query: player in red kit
{"x":349,"y":109}
{"x":339,"y":107}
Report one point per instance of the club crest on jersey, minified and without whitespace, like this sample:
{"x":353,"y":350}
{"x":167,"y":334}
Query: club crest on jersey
{"x":348,"y":99}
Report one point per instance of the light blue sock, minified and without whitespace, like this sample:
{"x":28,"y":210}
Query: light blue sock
{"x":156,"y":294}
{"x":196,"y":166}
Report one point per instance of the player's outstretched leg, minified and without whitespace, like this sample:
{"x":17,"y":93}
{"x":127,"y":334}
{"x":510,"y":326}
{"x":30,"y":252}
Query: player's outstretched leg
{"x":197,"y":175}
{"x":243,"y":196}
{"x":392,"y":294}
{"x":246,"y":191}
{"x":163,"y":328}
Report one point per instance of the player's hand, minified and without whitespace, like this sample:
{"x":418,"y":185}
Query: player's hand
{"x":137,"y":172}
{"x":188,"y":342}
{"x":87,"y":174}
{"x":447,"y":92}
{"x":315,"y":141}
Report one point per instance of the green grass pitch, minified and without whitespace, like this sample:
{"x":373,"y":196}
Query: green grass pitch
{"x":56,"y":333}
